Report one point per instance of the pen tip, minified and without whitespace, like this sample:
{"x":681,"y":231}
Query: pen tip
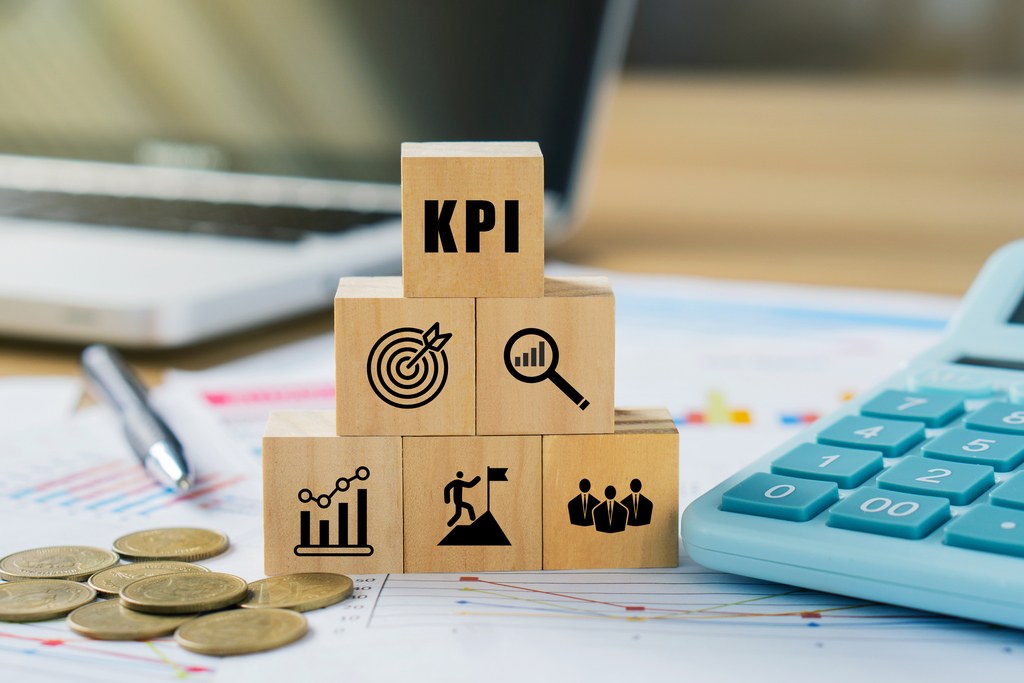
{"x":184,"y":484}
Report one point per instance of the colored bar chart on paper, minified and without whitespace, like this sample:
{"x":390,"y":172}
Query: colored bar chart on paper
{"x":123,"y":487}
{"x":716,"y":411}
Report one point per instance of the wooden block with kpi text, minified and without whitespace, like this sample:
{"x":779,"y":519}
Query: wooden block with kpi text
{"x":472,"y":219}
{"x":547,"y":365}
{"x":472,"y":503}
{"x":330,"y":503}
{"x":612,"y":500}
{"x":403,"y":366}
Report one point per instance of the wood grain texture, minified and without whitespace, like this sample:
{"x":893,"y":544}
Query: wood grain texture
{"x":431,"y":463}
{"x":583,"y":532}
{"x":369,"y":309}
{"x":487,"y":171}
{"x":301,"y":451}
{"x":579,"y":314}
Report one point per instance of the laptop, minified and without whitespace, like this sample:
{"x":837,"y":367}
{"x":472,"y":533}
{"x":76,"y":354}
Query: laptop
{"x":175,"y":170}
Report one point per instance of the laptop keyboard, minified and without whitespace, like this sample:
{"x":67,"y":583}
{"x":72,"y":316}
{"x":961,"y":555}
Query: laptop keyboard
{"x":283,"y":223}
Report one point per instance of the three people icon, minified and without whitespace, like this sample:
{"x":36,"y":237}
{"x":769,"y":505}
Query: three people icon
{"x":453,"y":494}
{"x":611,"y":516}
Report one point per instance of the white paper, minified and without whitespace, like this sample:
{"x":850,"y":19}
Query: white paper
{"x":741,"y":367}
{"x":30,"y":402}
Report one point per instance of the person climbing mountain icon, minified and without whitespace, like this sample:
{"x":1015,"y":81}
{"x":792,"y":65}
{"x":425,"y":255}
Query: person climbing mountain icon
{"x":638,"y":505}
{"x":581,"y":508}
{"x":453,"y":494}
{"x":610,"y":516}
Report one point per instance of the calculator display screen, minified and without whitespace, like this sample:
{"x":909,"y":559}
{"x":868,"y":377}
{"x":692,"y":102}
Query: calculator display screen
{"x":991,"y":362}
{"x":1018,"y":314}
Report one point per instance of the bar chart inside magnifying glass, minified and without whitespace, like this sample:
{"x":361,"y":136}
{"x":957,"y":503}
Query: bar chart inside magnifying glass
{"x":531,"y":356}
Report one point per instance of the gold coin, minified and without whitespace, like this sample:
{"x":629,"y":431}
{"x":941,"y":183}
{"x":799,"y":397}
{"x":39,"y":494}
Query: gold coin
{"x":109,"y":620}
{"x":42,"y":599}
{"x":241,"y":631}
{"x":178,"y":543}
{"x":109,"y":582}
{"x":299,"y":592}
{"x":71,"y":562}
{"x":184,"y":593}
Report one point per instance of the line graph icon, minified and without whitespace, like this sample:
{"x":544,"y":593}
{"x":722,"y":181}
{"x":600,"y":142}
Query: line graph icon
{"x":408,"y":367}
{"x":339,"y":544}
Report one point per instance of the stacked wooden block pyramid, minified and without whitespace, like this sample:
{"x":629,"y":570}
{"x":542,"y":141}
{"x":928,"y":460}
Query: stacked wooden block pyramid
{"x":475,"y":427}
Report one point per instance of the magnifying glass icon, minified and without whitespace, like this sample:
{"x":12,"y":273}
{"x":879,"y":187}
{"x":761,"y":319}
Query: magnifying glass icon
{"x":538,"y":362}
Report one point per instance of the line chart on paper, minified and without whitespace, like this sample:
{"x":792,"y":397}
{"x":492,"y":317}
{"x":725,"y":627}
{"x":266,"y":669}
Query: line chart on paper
{"x":120,"y":487}
{"x":49,"y":651}
{"x":689,"y":599}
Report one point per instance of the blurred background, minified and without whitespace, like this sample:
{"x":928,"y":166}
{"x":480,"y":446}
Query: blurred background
{"x":877,"y":143}
{"x":866,"y":143}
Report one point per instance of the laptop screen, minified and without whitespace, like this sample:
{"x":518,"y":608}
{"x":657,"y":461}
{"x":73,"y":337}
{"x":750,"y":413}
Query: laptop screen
{"x":309,"y":88}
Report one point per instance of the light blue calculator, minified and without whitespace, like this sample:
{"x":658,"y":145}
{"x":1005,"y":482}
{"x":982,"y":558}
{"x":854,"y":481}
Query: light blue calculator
{"x":912,"y":493}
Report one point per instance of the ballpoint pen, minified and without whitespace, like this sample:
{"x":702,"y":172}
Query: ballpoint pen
{"x":112,"y":382}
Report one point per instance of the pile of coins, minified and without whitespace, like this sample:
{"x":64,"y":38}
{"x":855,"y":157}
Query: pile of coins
{"x":162,"y":592}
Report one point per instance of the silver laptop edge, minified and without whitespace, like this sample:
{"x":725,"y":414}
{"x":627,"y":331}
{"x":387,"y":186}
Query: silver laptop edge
{"x":224,"y":287}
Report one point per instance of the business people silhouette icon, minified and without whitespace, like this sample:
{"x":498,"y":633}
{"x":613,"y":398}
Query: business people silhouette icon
{"x":611,"y":516}
{"x":581,"y":508}
{"x":638,"y":505}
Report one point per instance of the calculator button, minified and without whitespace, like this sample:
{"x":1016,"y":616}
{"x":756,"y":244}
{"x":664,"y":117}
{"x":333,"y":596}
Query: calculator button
{"x":891,"y":513}
{"x":1002,"y":452}
{"x":847,"y":467}
{"x":1010,"y":493}
{"x":958,"y":483}
{"x":891,"y":437}
{"x":998,"y":416}
{"x":988,"y":528}
{"x":769,"y":495}
{"x":953,"y":381}
{"x":935,"y":410}
{"x":1017,"y":392}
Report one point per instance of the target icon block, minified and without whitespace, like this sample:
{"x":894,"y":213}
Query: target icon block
{"x":404,"y":366}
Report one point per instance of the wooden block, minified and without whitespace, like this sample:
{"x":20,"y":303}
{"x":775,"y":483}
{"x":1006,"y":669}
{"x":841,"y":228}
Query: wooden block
{"x":497,"y":526}
{"x":404,"y":366}
{"x":572,"y":326}
{"x":612,"y":500}
{"x":330,"y":503}
{"x":472,"y":219}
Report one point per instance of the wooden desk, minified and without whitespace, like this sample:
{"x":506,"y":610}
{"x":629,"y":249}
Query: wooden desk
{"x":892,"y":185}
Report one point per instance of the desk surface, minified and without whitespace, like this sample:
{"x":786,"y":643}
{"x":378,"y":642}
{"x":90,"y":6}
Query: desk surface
{"x":885,"y":185}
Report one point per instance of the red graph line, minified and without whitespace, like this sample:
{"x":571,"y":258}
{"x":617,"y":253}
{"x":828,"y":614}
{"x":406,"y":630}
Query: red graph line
{"x":92,"y":470}
{"x":202,"y":491}
{"x":59,"y":642}
{"x":628,"y":608}
{"x":138,"y":477}
{"x":708,"y":613}
{"x":129,"y":471}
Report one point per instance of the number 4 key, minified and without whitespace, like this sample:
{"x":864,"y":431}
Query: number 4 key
{"x":891,"y":437}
